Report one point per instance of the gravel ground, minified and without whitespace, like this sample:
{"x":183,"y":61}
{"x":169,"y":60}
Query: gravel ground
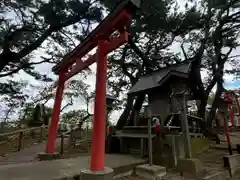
{"x":212,"y":159}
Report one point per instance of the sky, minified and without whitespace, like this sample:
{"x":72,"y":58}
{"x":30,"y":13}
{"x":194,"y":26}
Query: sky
{"x":229,"y":82}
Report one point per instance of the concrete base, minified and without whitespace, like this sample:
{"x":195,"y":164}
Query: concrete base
{"x":153,"y":172}
{"x":190,"y":167}
{"x":48,"y":156}
{"x":232,"y":162}
{"x":106,"y":174}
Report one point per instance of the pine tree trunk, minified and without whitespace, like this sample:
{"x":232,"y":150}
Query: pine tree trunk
{"x":215,"y":105}
{"x":136,"y":108}
{"x":122,"y":121}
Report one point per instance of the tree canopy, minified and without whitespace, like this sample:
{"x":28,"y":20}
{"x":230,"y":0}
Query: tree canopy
{"x":52,"y":27}
{"x":205,"y":32}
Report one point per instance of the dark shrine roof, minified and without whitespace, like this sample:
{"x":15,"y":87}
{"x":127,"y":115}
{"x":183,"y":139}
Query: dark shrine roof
{"x":157,"y":78}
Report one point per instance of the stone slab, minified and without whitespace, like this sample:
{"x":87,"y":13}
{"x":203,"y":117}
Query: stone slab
{"x":106,"y":174}
{"x":190,"y":167}
{"x":216,"y":176}
{"x":65,"y":168}
{"x":233,"y":163}
{"x":48,"y":156}
{"x":152,"y":172}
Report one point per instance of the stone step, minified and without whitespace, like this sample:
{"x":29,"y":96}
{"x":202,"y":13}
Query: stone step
{"x":152,"y":172}
{"x":160,"y":176}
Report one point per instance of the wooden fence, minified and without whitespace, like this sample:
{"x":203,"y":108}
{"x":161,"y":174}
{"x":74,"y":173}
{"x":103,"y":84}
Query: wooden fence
{"x":22,"y":138}
{"x":27,"y":137}
{"x":74,"y":137}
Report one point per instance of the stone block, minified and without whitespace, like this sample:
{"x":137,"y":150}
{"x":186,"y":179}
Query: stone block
{"x":233,"y":164}
{"x":190,"y":167}
{"x":177,"y":147}
{"x":48,"y":156}
{"x":106,"y":174}
{"x":180,"y":152}
{"x":152,"y":172}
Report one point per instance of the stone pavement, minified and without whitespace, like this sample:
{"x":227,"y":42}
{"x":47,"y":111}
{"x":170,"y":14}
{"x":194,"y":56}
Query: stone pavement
{"x":63,"y":168}
{"x":25,"y":155}
{"x":234,"y":137}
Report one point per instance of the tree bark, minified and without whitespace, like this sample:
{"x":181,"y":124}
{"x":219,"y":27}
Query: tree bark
{"x":204,"y":99}
{"x":125,"y":114}
{"x":215,"y":105}
{"x":136,"y":108}
{"x":198,"y":88}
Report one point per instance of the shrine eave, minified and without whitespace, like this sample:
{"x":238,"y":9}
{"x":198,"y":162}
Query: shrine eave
{"x":90,"y":41}
{"x":159,"y":83}
{"x":157,"y":79}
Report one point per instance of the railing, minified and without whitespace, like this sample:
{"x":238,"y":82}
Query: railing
{"x":27,"y":137}
{"x":75,"y":137}
{"x":22,"y":138}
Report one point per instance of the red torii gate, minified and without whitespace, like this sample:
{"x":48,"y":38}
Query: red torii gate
{"x":119,"y":20}
{"x":231,"y":97}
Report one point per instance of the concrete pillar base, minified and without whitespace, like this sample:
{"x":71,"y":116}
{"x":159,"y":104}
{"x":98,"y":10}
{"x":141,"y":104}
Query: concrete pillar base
{"x":106,"y":174}
{"x":152,"y":172}
{"x":48,"y":156}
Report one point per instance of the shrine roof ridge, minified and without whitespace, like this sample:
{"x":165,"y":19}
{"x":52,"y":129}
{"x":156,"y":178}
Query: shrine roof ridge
{"x":170,"y":67}
{"x":157,"y":78}
{"x":133,"y":4}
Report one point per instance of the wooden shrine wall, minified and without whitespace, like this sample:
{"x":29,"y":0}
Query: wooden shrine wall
{"x":159,"y":98}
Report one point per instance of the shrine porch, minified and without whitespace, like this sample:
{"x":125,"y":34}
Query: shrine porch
{"x":65,"y":168}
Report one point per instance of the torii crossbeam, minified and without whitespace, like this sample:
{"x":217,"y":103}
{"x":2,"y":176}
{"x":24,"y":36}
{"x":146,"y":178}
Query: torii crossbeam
{"x":101,"y":37}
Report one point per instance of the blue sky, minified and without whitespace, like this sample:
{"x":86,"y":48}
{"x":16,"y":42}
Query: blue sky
{"x":232,"y":84}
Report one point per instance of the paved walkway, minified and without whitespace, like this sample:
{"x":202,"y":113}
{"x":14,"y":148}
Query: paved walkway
{"x":25,"y":155}
{"x":63,"y":168}
{"x":234,"y":137}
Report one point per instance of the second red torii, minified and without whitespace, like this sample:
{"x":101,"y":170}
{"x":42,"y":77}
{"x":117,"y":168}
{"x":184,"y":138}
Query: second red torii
{"x":231,"y":97}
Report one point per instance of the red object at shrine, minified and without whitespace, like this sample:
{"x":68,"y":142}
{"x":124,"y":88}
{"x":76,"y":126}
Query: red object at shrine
{"x":101,"y":37}
{"x":110,"y":130}
{"x":231,"y":115}
{"x":158,"y":128}
{"x":238,"y":107}
{"x":228,"y":98}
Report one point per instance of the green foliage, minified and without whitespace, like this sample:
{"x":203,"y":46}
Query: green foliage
{"x":26,"y":112}
{"x":207,"y":30}
{"x":15,"y":98}
{"x":74,"y":116}
{"x":36,"y":115}
{"x":148,"y":50}
{"x":54,"y":27}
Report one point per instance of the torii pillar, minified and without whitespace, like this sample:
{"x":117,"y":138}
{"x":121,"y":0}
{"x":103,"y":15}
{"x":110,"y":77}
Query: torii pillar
{"x":50,"y":153}
{"x":99,"y":119}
